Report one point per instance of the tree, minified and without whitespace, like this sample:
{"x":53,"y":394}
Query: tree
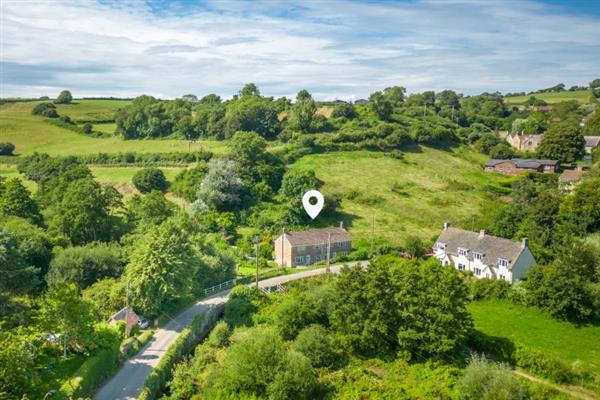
{"x":247,"y":148}
{"x":595,"y":84}
{"x":502,"y":151}
{"x":483,"y":380}
{"x":83,"y":214}
{"x":582,"y":208}
{"x":84,"y":265}
{"x":414,"y":246}
{"x":221,"y":188}
{"x":250,"y":89}
{"x":45,"y":109}
{"x":105,"y":296}
{"x":294,"y":313}
{"x":148,"y":179}
{"x":6,"y":149}
{"x":149,"y":210}
{"x":17,"y":275}
{"x":563,"y":142}
{"x":187,"y":182}
{"x":161,"y":269}
{"x":32,"y":242}
{"x":592,"y":127}
{"x":64,"y":97}
{"x":242,"y":303}
{"x":380,"y":105}
{"x":88,"y":128}
{"x":447,"y":98}
{"x":314,"y":342}
{"x":18,"y":362}
{"x":303,"y":111}
{"x":65,"y":313}
{"x":345,"y":110}
{"x":16,"y":201}
{"x":395,"y":95}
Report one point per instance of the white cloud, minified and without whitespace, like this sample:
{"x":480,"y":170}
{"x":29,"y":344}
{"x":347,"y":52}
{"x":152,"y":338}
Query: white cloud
{"x":335,"y":49}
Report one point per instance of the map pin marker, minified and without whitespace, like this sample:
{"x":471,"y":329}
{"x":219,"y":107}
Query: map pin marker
{"x":313,"y":209}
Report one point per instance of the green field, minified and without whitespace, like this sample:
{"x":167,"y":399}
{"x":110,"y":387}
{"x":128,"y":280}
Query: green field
{"x":91,"y":110}
{"x":582,"y":96}
{"x":30,"y":133}
{"x":535,"y":329}
{"x":414,"y":196}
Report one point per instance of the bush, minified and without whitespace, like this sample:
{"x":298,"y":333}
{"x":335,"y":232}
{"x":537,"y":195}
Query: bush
{"x":91,"y":374}
{"x":46,"y":110}
{"x":545,"y":365}
{"x":487,"y":381}
{"x":87,"y":128}
{"x":132,"y":345}
{"x":6,"y":149}
{"x":316,"y":345}
{"x":64,"y":97}
{"x":149,"y":179}
{"x":489,"y":289}
{"x":243,"y":302}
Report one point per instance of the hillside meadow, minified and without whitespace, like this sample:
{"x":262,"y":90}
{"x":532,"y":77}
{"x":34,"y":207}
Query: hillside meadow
{"x":31,"y":133}
{"x":413,"y":196}
{"x":582,"y":96}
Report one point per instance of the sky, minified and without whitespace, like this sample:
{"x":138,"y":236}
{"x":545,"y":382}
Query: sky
{"x":334,"y":49}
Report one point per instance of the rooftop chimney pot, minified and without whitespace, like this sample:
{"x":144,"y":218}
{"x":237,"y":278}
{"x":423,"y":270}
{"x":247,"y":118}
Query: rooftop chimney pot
{"x":481,"y":233}
{"x":446,"y":225}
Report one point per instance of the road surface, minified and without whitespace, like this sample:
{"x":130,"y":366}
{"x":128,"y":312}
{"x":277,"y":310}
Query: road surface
{"x":127,"y":383}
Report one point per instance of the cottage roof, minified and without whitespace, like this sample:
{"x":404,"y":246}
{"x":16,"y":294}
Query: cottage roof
{"x":123,"y":313}
{"x":592,"y":141}
{"x":492,"y":247}
{"x":317,"y":236}
{"x":524,"y":162}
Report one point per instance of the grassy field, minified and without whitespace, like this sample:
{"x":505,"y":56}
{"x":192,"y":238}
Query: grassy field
{"x":91,"y":110}
{"x":537,"y":330}
{"x":582,"y":96}
{"x":414,"y":196}
{"x":31,"y":133}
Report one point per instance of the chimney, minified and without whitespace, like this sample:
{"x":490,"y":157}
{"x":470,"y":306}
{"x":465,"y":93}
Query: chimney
{"x":525,"y":243}
{"x":446,"y":225}
{"x":481,"y":234}
{"x":341,"y":224}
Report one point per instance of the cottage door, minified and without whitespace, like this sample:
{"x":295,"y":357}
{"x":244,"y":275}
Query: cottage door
{"x":308,"y":259}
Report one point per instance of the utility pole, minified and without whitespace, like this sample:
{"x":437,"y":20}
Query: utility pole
{"x":372,"y":235}
{"x":328,"y":251}
{"x":127,"y":329}
{"x":257,"y":244}
{"x":282,"y":246}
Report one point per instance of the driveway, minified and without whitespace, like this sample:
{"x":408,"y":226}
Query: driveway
{"x":127,"y":383}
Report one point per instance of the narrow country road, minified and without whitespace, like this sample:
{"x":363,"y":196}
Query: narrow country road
{"x":128,"y":381}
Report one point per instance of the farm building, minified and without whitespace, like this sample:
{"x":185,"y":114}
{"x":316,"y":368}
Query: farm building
{"x":519,"y":165}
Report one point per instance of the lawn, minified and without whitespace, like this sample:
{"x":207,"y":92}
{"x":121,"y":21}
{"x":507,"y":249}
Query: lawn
{"x":30,"y":133}
{"x":414,"y":196}
{"x":537,"y":330}
{"x":582,"y":96}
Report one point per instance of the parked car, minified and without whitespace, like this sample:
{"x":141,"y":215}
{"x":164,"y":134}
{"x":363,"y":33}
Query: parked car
{"x":142,"y":323}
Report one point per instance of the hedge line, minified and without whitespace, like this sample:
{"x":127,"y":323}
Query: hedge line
{"x":92,"y":372}
{"x":185,"y":343}
{"x":131,"y":346}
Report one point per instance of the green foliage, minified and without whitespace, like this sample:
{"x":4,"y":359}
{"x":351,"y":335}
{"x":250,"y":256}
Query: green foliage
{"x":581,"y":210}
{"x":18,"y":362}
{"x":84,"y":265}
{"x":489,"y":289}
{"x":592,"y":127}
{"x":15,"y":200}
{"x":345,"y":110}
{"x":483,"y":380}
{"x":64,"y":313}
{"x":87,"y":128}
{"x":148,"y":179}
{"x":303,"y":112}
{"x":32,"y":242}
{"x":252,"y":113}
{"x":294,"y":313}
{"x":6,"y":149}
{"x":314,"y":342}
{"x":45,"y":109}
{"x":545,"y":365}
{"x":64,"y":97}
{"x":148,"y":117}
{"x":149,"y":210}
{"x":243,"y":302}
{"x":106,"y":296}
{"x":161,"y":268}
{"x":414,"y":246}
{"x":18,"y":276}
{"x":563,"y":142}
{"x":380,"y":105}
{"x":187,"y":182}
{"x":221,"y":188}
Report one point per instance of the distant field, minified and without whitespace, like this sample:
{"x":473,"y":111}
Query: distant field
{"x":31,"y":133}
{"x":535,"y":329}
{"x":411,"y":197}
{"x":582,"y":96}
{"x":91,"y":110}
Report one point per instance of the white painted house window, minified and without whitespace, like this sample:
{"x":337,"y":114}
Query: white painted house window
{"x":299,"y":259}
{"x":461,"y":267}
{"x":440,"y":245}
{"x":478,"y":256}
{"x":463,"y":251}
{"x":477,"y":271}
{"x":503,"y":262}
{"x":502,"y":277}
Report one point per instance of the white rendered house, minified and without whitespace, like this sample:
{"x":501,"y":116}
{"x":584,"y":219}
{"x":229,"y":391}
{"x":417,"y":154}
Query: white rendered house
{"x":485,"y":255}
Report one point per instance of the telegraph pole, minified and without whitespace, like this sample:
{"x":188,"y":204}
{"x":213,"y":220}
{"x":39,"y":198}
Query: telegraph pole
{"x":328,"y":250}
{"x":257,"y":244}
{"x":372,"y":235}
{"x":127,"y":309}
{"x":282,"y":246}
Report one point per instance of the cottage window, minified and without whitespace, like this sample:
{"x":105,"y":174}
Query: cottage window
{"x":440,"y":245}
{"x":503,"y":262}
{"x":477,"y":271}
{"x":301,"y":248}
{"x":461,"y":267}
{"x":463,"y":252}
{"x":502,"y":277}
{"x":299,"y":259}
{"x":478,"y":256}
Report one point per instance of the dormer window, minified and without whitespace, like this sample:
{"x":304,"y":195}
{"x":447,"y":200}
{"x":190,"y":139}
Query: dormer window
{"x":478,"y":256}
{"x":502,"y":262}
{"x":463,"y":252}
{"x":440,"y":245}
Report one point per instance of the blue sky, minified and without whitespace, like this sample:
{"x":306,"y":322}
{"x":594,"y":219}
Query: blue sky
{"x":335,"y":49}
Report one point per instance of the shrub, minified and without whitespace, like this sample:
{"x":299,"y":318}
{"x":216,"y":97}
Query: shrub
{"x":46,"y":110}
{"x":487,"y":381}
{"x":64,"y":97}
{"x":243,"y":302}
{"x":294,"y":313}
{"x":87,"y":128}
{"x":315,"y":343}
{"x":91,"y":373}
{"x":148,"y":179}
{"x":545,"y":365}
{"x":6,"y":149}
{"x":489,"y":289}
